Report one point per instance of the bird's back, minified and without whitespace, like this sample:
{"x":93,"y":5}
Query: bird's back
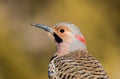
{"x":76,"y":65}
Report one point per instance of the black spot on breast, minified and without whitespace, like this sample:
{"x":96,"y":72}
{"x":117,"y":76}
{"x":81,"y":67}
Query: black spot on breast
{"x":68,"y":76}
{"x":73,"y":76}
{"x":64,"y":77}
{"x":60,"y":75}
{"x":57,"y":38}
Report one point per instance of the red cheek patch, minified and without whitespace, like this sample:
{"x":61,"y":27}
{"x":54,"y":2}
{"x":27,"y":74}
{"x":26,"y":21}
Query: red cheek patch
{"x":81,"y":39}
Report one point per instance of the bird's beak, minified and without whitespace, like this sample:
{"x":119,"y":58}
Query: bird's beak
{"x":44,"y":27}
{"x":48,"y":29}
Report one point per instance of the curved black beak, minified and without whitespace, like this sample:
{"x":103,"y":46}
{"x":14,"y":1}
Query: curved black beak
{"x":44,"y":27}
{"x":48,"y":29}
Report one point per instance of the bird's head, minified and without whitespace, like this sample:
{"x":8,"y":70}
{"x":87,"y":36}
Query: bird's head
{"x":67,"y":36}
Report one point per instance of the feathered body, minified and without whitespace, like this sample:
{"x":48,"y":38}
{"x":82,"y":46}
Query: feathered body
{"x":76,"y":65}
{"x":72,"y":59}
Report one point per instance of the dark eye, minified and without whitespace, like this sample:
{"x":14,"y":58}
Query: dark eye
{"x":62,"y":30}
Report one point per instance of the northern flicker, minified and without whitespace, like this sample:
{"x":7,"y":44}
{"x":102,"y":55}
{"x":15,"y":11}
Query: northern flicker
{"x":72,"y":59}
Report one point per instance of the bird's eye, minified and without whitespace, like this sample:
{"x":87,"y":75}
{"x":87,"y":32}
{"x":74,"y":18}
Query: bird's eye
{"x":62,"y":30}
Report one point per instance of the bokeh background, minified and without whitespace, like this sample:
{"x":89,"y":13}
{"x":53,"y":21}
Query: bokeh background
{"x":25,"y":50}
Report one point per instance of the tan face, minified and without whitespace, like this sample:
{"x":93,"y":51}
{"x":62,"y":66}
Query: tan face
{"x":64,"y":33}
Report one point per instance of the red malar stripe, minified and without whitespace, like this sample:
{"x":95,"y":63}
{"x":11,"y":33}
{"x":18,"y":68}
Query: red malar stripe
{"x":81,"y":39}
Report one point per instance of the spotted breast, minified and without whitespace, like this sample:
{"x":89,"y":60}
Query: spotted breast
{"x":76,"y":65}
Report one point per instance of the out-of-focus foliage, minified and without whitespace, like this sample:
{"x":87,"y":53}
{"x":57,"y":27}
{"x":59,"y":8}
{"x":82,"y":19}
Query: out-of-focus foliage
{"x":25,"y":51}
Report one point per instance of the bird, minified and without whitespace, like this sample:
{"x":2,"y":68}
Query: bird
{"x":71,"y":59}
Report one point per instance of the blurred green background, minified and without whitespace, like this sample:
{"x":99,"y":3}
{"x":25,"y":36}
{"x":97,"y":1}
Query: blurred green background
{"x":25,"y":50}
